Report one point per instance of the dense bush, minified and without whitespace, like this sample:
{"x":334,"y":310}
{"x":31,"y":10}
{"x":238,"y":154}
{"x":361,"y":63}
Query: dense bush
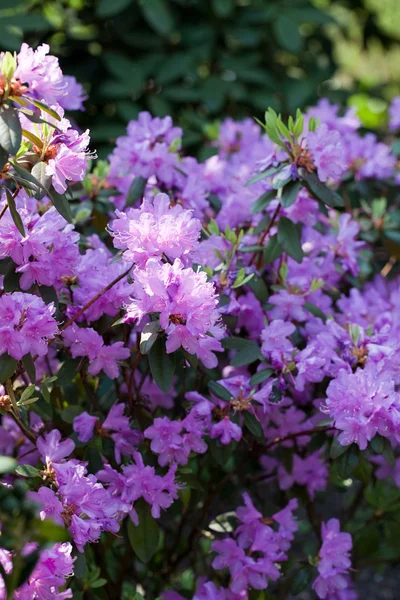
{"x":198,"y":360}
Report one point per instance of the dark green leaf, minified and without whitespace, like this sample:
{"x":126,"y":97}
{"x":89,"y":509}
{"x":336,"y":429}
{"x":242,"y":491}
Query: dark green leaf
{"x":7,"y":464}
{"x":287,"y":33}
{"x":11,"y":281}
{"x":29,"y":563}
{"x":39,"y":172}
{"x":162,"y":365}
{"x":10,"y":130}
{"x":347,"y":461}
{"x":273,"y":250}
{"x":136,"y":190}
{"x":290,"y":193}
{"x":337,"y":449}
{"x":3,"y":157}
{"x":223,"y":8}
{"x":14,"y":212}
{"x":247,"y":356}
{"x":220,"y":452}
{"x":61,"y":204}
{"x":43,"y":107}
{"x":48,"y":294}
{"x":7,"y":367}
{"x":363,"y":469}
{"x":48,"y":531}
{"x":29,"y":366}
{"x":27,"y":471}
{"x":301,"y":580}
{"x":253,"y":424}
{"x":105,"y":8}
{"x":220,"y":391}
{"x":289,"y":239}
{"x":6,"y":264}
{"x":264,"y":174}
{"x":321,"y":191}
{"x":314,"y":310}
{"x":261,"y":376}
{"x":263,"y":201}
{"x":158,"y":16}
{"x":145,"y":537}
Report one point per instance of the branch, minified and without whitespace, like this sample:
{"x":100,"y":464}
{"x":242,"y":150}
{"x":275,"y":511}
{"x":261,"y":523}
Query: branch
{"x":95,"y":298}
{"x":291,"y":436}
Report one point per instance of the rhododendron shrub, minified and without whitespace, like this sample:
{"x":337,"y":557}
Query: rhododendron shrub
{"x":199,"y":361}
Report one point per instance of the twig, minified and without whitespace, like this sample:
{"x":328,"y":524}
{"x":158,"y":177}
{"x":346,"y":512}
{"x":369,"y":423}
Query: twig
{"x":291,"y":436}
{"x":95,"y":298}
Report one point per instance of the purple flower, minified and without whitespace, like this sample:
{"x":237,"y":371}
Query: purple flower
{"x":327,"y":153}
{"x":26,"y":323}
{"x":84,"y":426}
{"x":52,"y":449}
{"x":156,"y":230}
{"x":226,"y":431}
{"x":87,"y":342}
{"x":363,"y":404}
{"x":334,"y":560}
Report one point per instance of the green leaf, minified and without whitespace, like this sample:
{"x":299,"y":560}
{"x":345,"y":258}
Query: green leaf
{"x":321,"y":191}
{"x":48,"y":294}
{"x":7,"y":464}
{"x":105,"y":8}
{"x":39,"y":172}
{"x":42,"y":106}
{"x":290,"y":193}
{"x":301,"y":581}
{"x":29,"y":563}
{"x":337,"y":449}
{"x":315,"y":310}
{"x":10,"y":130}
{"x":136,"y":190}
{"x":27,"y":471}
{"x":261,"y":376}
{"x":61,"y":204}
{"x":236,"y":343}
{"x":158,"y":16}
{"x":388,"y":454}
{"x":162,"y":365}
{"x":223,"y":8}
{"x":347,"y":461}
{"x":48,"y":531}
{"x":29,"y":366}
{"x":7,"y":367}
{"x":27,"y":393}
{"x":3,"y":157}
{"x":220,"y":452}
{"x":247,"y":356}
{"x":253,"y":424}
{"x":149,"y":336}
{"x":14,"y":213}
{"x":363,"y":469}
{"x":98,"y":583}
{"x":220,"y":391}
{"x":287,"y":33}
{"x":272,"y":250}
{"x":264,"y":174}
{"x":263,"y":201}
{"x":145,"y":537}
{"x":289,"y":239}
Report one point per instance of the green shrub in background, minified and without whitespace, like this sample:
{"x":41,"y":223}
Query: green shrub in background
{"x":202,"y":60}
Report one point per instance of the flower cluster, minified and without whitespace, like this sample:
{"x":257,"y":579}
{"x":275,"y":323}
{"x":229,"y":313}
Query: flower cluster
{"x":334,"y":560}
{"x":176,"y":334}
{"x":26,"y":325}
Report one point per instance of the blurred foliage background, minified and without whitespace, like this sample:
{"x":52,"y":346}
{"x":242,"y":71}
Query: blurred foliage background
{"x":202,"y":60}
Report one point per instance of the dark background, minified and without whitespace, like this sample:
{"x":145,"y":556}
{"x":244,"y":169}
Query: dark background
{"x":201,"y":60}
